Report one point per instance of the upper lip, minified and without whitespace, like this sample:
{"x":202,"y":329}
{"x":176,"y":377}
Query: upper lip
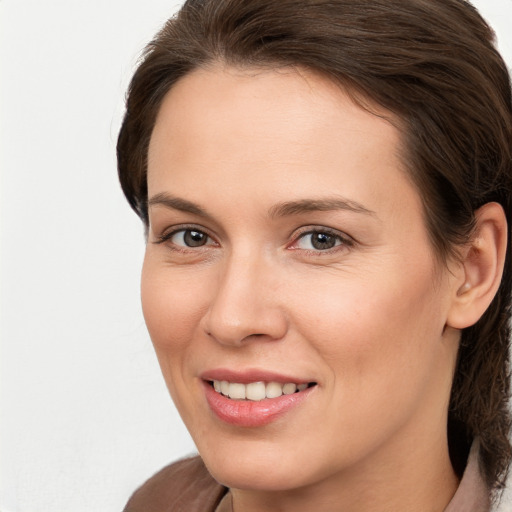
{"x":251,"y":375}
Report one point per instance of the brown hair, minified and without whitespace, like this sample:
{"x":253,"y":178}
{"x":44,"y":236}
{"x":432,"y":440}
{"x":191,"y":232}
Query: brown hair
{"x":433,"y":64}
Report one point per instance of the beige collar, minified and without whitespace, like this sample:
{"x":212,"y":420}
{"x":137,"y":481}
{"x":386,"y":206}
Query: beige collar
{"x":472,"y":494}
{"x":226,"y":504}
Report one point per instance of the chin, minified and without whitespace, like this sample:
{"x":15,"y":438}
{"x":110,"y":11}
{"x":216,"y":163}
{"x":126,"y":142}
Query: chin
{"x":255,"y":477}
{"x":258,"y":465}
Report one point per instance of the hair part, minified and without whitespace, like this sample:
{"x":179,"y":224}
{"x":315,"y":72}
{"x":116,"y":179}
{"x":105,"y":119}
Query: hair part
{"x":433,"y":65}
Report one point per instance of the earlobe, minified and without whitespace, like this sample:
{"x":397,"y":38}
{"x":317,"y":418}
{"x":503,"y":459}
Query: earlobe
{"x":481,"y":267}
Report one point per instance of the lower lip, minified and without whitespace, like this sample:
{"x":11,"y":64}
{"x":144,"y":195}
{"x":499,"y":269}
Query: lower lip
{"x":246,"y":413}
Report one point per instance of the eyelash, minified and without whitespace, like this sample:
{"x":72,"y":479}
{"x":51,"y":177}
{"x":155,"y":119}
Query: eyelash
{"x":343,"y":241}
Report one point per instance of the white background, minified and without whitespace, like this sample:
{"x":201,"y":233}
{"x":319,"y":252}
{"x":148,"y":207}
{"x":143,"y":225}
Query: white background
{"x":85,"y":415}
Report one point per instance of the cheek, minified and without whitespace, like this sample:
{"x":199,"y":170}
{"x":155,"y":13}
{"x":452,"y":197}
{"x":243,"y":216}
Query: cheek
{"x":377,"y":332}
{"x":380,"y":344}
{"x":172,"y":305}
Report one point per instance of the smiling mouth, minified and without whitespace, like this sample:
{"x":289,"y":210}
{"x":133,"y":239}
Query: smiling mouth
{"x":257,"y":391}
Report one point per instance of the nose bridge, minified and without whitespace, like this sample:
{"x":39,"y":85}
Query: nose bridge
{"x":246,"y":301}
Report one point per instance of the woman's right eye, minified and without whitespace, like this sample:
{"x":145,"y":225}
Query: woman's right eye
{"x":189,"y":238}
{"x":186,"y":238}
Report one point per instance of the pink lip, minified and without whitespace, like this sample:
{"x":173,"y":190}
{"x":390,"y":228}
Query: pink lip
{"x":246,"y":413}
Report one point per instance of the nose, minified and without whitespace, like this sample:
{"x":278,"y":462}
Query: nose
{"x":246,"y":303}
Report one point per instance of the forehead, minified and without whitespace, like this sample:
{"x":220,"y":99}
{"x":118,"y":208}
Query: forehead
{"x":247,"y":117}
{"x":219,"y":88}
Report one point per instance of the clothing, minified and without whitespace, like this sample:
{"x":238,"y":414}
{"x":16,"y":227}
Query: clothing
{"x":472,"y":495}
{"x":186,"y":486}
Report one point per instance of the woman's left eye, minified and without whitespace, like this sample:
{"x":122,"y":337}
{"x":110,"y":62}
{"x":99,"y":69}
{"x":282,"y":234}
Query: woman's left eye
{"x":319,"y":241}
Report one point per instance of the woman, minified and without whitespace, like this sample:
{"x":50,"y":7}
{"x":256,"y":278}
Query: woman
{"x":326,"y":189}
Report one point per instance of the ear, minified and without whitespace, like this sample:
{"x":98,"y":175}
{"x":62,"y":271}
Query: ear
{"x":478,"y":278}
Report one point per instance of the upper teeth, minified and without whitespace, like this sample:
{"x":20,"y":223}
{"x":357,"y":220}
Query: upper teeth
{"x":256,"y":390}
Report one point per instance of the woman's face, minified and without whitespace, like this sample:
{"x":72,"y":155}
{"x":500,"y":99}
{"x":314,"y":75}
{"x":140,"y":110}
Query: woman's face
{"x":288,"y":246}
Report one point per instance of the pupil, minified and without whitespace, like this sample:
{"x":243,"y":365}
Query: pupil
{"x":194,"y":238}
{"x":323,"y":241}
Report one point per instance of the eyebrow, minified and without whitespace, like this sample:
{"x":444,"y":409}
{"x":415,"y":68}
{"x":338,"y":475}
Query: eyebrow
{"x":316,"y":205}
{"x":285,"y":209}
{"x":177,"y":203}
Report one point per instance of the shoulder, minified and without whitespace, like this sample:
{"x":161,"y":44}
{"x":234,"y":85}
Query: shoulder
{"x":185,"y":485}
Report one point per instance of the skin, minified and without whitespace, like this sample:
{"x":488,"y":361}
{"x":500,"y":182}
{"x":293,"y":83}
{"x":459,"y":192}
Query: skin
{"x":367,"y":320}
